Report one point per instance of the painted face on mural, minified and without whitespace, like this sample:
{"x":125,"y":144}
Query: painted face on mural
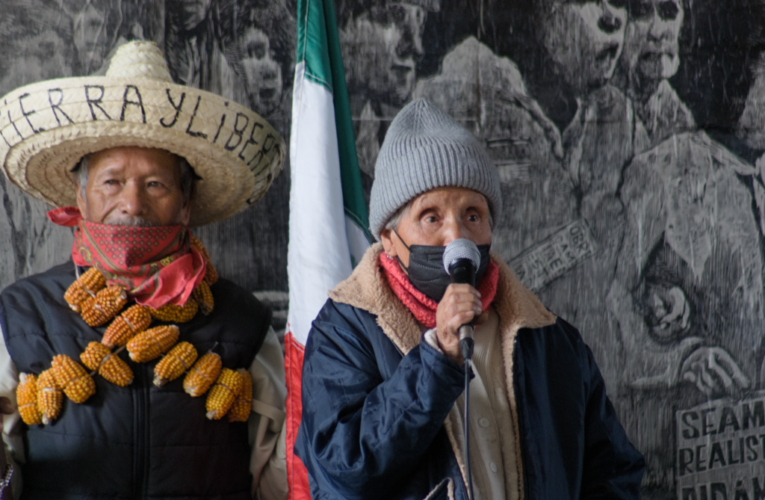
{"x":584,"y":39}
{"x":261,"y":71}
{"x":40,"y":57}
{"x":381,"y":48}
{"x":194,"y":12}
{"x":90,"y":37}
{"x":651,"y":38}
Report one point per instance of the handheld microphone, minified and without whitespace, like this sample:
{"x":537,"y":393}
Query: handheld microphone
{"x":461,"y":261}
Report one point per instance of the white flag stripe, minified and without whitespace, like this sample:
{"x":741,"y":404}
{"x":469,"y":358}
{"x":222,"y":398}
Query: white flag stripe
{"x":357,"y":240}
{"x":318,"y":255}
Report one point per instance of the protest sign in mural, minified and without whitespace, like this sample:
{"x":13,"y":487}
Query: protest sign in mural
{"x":721,"y":449}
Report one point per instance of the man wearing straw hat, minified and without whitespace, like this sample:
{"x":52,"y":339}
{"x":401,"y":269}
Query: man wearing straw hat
{"x":142,"y":159}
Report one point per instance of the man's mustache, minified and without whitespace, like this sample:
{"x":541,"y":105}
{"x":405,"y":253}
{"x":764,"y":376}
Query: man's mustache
{"x":133,"y":222}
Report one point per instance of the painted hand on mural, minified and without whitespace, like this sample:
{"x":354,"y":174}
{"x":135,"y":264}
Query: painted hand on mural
{"x":667,"y":311}
{"x":714,"y":372}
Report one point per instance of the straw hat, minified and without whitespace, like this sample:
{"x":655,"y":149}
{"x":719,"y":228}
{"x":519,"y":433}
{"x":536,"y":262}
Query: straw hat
{"x":47,"y":127}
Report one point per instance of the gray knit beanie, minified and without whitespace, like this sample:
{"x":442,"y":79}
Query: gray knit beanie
{"x":426,"y":149}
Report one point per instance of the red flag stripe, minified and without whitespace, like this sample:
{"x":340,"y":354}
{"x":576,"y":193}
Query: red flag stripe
{"x":297,"y":475}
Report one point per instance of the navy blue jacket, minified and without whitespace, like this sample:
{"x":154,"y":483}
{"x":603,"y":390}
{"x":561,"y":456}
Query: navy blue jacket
{"x":375,"y":399}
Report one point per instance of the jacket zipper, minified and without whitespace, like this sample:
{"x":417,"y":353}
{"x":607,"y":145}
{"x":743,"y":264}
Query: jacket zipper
{"x":523,"y":492}
{"x":141,"y":418}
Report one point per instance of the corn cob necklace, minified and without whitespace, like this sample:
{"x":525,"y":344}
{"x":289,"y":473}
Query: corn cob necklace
{"x":40,"y":398}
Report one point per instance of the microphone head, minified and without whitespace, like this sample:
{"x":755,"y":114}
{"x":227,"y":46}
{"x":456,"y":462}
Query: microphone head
{"x":461,"y":248}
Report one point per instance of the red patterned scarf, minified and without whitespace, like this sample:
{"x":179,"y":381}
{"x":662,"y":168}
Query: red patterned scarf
{"x":423,"y":307}
{"x":156,"y":265}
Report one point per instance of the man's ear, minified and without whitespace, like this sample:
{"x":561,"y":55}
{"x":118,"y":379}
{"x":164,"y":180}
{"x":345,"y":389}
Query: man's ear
{"x":185,"y":216}
{"x":82,"y":201}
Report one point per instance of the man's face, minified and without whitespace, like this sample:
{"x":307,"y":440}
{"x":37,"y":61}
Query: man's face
{"x":651,"y":39}
{"x":134,"y":187}
{"x":382,"y":47}
{"x":439,"y":217}
{"x":584,"y":39}
{"x":262,"y":73}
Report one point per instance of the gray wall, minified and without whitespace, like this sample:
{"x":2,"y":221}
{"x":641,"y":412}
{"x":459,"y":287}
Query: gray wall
{"x":628,"y":139}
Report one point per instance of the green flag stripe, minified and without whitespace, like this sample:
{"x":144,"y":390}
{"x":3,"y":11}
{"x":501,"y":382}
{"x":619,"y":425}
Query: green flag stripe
{"x":319,"y":47}
{"x":311,"y":42}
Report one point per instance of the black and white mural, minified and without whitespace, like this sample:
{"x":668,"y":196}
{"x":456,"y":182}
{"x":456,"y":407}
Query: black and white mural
{"x":629,"y":137}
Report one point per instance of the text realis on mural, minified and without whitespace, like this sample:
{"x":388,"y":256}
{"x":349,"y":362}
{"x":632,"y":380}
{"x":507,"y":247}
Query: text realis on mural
{"x":721,"y":449}
{"x":235,"y":131}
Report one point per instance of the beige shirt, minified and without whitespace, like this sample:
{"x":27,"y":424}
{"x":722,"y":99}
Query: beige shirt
{"x":493,"y":460}
{"x":266,"y":424}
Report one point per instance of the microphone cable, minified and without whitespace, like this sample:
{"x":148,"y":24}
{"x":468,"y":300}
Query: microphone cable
{"x":466,"y":346}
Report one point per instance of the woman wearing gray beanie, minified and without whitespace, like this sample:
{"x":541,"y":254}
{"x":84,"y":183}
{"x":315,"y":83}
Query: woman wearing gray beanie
{"x":383,"y":373}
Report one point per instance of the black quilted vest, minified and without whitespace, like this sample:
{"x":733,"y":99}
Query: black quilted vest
{"x":142,"y":441}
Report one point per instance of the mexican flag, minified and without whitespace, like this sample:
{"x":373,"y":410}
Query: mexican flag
{"x":328,"y":216}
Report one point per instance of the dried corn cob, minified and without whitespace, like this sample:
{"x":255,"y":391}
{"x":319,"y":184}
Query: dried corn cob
{"x":202,"y":375}
{"x":50,"y":399}
{"x":240,"y":410}
{"x":104,"y":306}
{"x":152,"y":343}
{"x":211,"y":274}
{"x":72,"y":378}
{"x":204,"y":297}
{"x":99,"y":358}
{"x":84,"y":287}
{"x":176,"y":363}
{"x":223,"y":393}
{"x":26,"y":398}
{"x":176,"y":314}
{"x":127,"y":325}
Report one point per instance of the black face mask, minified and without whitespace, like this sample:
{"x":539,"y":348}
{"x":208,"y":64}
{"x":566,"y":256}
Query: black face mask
{"x":426,"y":268}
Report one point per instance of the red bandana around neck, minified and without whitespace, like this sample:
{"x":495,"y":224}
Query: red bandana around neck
{"x":155,"y":265}
{"x":423,"y":307}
